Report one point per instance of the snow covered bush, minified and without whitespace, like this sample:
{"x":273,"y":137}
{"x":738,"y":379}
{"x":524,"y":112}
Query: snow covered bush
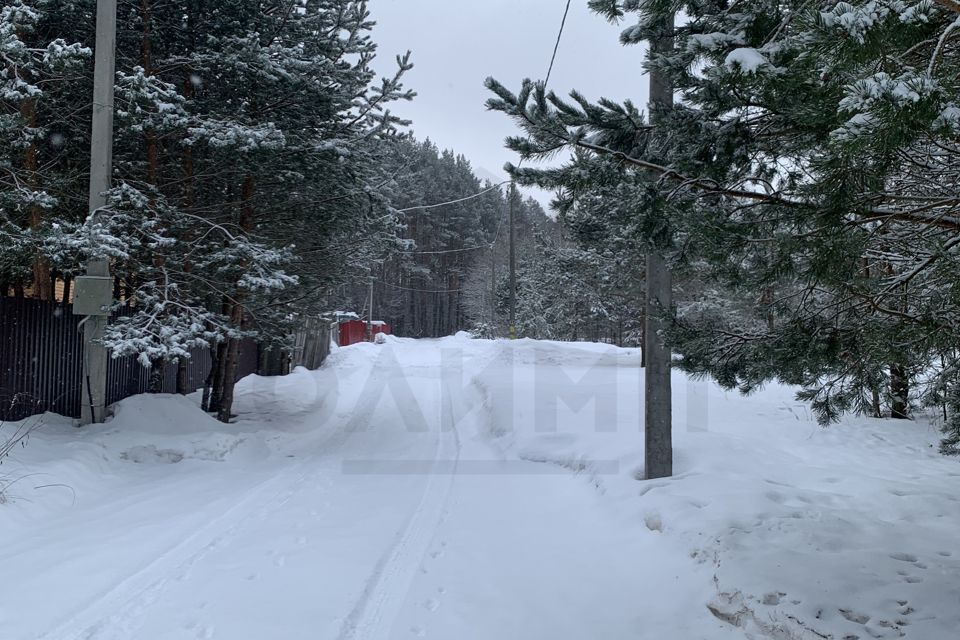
{"x":13,"y":435}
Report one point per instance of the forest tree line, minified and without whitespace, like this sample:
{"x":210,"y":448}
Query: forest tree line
{"x":803,"y":188}
{"x":259,"y":177}
{"x":452,"y":271}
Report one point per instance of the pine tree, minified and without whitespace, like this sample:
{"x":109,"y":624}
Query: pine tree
{"x":248,"y":165}
{"x":35,"y":105}
{"x":794,"y":172}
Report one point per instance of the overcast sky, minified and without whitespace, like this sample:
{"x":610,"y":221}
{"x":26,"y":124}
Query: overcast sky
{"x":456,"y":44}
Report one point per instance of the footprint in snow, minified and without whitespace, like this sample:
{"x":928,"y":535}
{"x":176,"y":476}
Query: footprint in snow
{"x":654,"y":522}
{"x":776,"y":483}
{"x":854,"y":616}
{"x":773,"y":496}
{"x":649,"y":486}
{"x":904,"y":557}
{"x":201,"y":631}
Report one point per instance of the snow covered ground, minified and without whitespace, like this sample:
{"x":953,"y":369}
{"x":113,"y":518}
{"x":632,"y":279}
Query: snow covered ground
{"x":470,"y":490}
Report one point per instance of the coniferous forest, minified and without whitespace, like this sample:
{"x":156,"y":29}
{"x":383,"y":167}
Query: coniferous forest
{"x":281,"y":358}
{"x":803,"y":189}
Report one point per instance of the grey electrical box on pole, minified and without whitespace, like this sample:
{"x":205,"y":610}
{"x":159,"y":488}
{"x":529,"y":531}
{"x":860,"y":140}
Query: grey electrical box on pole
{"x":658,"y":395}
{"x":92,"y":295}
{"x":94,"y":291}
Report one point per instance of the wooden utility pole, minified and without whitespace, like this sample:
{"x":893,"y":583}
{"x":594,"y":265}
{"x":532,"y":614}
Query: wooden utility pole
{"x":370,"y":313}
{"x":93,"y":292}
{"x":513,"y":266}
{"x":493,"y":288}
{"x":658,"y":411}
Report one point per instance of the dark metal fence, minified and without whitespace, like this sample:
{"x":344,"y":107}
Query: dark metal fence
{"x":41,"y":354}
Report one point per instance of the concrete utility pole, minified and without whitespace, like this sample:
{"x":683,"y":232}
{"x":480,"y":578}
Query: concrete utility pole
{"x":658,"y":411}
{"x":94,"y":292}
{"x":513,"y":267}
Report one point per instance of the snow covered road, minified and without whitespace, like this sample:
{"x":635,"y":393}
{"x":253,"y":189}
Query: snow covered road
{"x":471,"y":489}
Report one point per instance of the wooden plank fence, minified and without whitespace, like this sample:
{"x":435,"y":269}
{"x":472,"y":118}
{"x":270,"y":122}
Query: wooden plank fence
{"x":311,"y":345}
{"x":309,"y":348}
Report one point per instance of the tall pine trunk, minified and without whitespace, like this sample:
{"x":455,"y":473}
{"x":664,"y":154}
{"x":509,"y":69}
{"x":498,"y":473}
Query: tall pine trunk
{"x":188,"y":203}
{"x":899,"y":392}
{"x":157,"y":365}
{"x":899,"y":382}
{"x":42,"y":281}
{"x":230,"y":365}
{"x":215,"y":378}
{"x":232,"y":356}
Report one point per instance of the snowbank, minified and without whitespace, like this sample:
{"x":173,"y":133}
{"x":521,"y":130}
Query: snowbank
{"x":470,"y":489}
{"x":806,"y":532}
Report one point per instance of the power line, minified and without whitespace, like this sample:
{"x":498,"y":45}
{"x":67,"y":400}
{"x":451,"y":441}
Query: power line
{"x":546,"y":82}
{"x":443,"y":204}
{"x":446,"y":251}
{"x":396,"y":286}
{"x":556,"y":47}
{"x":489,"y":245}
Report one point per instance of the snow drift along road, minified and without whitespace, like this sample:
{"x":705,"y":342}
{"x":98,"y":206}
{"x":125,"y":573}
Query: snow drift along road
{"x":472,"y":489}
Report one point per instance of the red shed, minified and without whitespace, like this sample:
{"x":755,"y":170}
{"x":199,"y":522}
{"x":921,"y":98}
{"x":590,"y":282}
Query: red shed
{"x":354,"y":331}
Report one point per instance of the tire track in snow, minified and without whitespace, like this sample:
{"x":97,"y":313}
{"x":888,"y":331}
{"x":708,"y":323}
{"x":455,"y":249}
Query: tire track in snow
{"x":114,"y":614}
{"x":386,"y":589}
{"x":130,"y":596}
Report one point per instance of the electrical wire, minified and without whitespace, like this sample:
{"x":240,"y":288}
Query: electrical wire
{"x":396,"y":286}
{"x":553,"y":59}
{"x":443,"y":204}
{"x":556,"y":47}
{"x":496,"y":238}
{"x":488,"y":245}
